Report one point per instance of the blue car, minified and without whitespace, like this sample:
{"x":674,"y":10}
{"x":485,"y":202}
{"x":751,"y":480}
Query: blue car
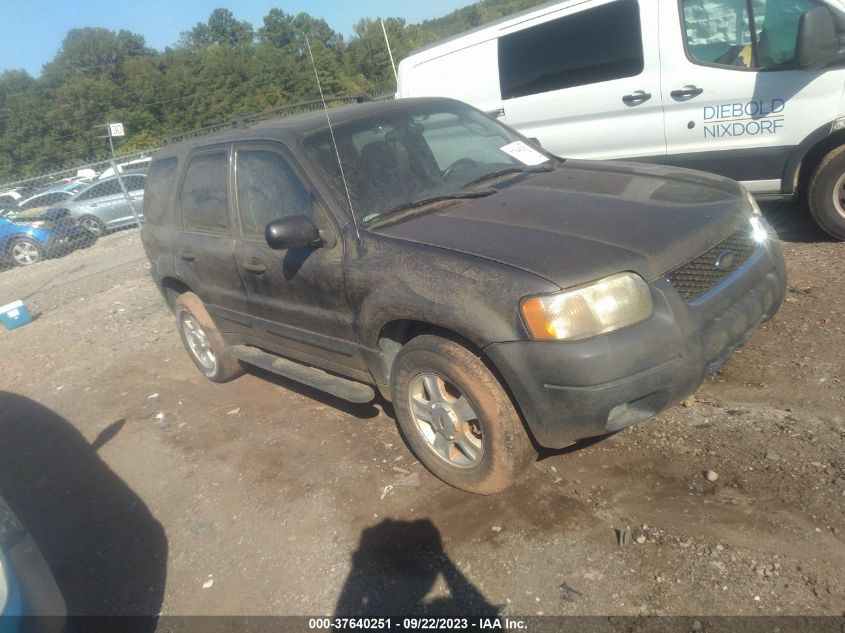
{"x":52,"y":233}
{"x":28,"y":592}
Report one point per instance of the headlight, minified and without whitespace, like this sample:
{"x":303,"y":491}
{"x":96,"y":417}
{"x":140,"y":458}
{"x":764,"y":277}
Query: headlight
{"x":4,"y":587}
{"x":589,"y":310}
{"x":37,"y":224}
{"x":759,"y":232}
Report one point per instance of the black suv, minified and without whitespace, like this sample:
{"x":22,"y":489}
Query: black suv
{"x":500,"y":297}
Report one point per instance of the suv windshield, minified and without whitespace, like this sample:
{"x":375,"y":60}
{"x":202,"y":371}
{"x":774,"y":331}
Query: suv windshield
{"x":418,"y":155}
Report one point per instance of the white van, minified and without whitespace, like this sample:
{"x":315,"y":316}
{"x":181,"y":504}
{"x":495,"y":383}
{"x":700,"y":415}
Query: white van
{"x":750,"y":89}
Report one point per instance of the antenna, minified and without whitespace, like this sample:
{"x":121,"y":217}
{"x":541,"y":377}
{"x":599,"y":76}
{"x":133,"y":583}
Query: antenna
{"x":334,"y":143}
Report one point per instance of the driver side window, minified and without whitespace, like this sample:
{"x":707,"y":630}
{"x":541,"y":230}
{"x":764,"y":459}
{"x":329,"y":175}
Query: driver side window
{"x":268,"y":189}
{"x":743,"y":33}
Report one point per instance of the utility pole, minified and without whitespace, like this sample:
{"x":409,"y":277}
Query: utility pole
{"x":389,"y":52}
{"x":116,"y":129}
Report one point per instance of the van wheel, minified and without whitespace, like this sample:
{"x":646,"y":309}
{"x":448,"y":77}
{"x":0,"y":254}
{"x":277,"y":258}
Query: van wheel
{"x":457,"y":418}
{"x":203,"y":340}
{"x":826,"y":195}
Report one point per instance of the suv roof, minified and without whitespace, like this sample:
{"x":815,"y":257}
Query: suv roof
{"x":292,"y":128}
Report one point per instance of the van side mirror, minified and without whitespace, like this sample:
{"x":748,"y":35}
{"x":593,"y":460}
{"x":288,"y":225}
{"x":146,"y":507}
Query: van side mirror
{"x":536,"y":142}
{"x":816,"y":44}
{"x":295,"y":231}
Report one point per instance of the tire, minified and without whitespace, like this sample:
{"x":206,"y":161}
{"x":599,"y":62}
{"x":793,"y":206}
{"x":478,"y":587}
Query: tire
{"x":826,"y":194}
{"x":205,"y":346}
{"x":24,"y":251}
{"x":489,"y":447}
{"x":93,"y":224}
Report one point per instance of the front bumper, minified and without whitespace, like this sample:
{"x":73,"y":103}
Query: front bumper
{"x":571,"y":391}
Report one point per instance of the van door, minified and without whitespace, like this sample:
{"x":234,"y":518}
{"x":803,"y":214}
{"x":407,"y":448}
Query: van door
{"x":585,"y":80}
{"x":735,"y":105}
{"x":205,"y":249}
{"x":297,"y":296}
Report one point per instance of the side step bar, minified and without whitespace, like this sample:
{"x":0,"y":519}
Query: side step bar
{"x":311,"y":376}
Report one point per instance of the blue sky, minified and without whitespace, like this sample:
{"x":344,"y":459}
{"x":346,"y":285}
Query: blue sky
{"x":31,"y":32}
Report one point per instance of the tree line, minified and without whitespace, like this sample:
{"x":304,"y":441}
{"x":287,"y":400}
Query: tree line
{"x":220,"y":68}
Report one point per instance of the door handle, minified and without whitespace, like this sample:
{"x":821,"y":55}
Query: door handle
{"x":638,"y":96}
{"x":686,"y":92}
{"x":255,"y":267}
{"x":188,"y":255}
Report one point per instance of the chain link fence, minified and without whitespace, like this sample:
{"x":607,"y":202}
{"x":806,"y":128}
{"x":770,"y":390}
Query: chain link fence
{"x":54,"y":214}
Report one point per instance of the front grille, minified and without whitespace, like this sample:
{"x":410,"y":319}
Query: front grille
{"x":699,"y":275}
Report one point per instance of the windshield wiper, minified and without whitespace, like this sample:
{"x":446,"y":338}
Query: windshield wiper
{"x":378,"y":218}
{"x":534,"y":169}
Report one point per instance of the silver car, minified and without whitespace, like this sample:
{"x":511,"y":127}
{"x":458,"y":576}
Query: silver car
{"x":102,"y":207}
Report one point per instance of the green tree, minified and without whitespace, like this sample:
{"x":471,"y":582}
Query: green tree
{"x":220,"y":69}
{"x":221,"y":29}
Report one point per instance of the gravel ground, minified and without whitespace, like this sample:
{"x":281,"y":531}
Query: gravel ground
{"x":151,"y":490}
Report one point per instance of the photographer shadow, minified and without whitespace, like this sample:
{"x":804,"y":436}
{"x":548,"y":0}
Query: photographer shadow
{"x":106,"y":550}
{"x":394,"y":568}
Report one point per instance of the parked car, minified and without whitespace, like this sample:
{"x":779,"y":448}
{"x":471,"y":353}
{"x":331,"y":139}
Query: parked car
{"x":9,"y":200}
{"x":102,"y":206}
{"x":28,"y":592}
{"x":44,"y":233}
{"x":50,"y":196}
{"x":139,"y":164}
{"x":494,"y":293}
{"x":746,"y":89}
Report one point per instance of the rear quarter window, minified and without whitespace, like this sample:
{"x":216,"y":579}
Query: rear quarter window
{"x":159,"y":185}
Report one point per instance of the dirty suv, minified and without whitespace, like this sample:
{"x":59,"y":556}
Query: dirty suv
{"x":501,"y":298}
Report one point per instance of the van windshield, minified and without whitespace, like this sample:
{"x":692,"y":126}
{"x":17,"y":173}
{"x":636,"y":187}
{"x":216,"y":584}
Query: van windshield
{"x":419,"y":155}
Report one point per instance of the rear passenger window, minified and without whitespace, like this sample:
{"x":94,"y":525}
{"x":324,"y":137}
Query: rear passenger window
{"x":134,"y":183}
{"x":587,"y":47}
{"x":205,"y":193}
{"x":158,"y":187}
{"x":100,"y":190}
{"x":268,"y":189}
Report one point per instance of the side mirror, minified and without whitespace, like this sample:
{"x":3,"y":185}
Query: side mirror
{"x":536,"y":142}
{"x":816,"y":44}
{"x":295,"y":231}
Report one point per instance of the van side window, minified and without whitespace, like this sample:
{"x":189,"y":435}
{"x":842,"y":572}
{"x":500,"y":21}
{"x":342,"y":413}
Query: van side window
{"x":587,"y":47}
{"x":205,"y":193}
{"x":720,"y":31}
{"x":268,"y":189}
{"x":158,"y":187}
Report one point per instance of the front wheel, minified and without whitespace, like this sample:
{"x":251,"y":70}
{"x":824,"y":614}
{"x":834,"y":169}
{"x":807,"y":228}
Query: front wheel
{"x":826,"y":194}
{"x":457,"y":418}
{"x":25,"y":252}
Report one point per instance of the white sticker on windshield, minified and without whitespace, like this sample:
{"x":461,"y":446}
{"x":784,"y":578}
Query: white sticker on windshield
{"x":525,"y":154}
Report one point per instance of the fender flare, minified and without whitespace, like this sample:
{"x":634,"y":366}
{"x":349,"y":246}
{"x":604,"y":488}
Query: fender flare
{"x":807,"y":154}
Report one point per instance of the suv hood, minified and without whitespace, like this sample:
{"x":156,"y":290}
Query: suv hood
{"x":586,"y":220}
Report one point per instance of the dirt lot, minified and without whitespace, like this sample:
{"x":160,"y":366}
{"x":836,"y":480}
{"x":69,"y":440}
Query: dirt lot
{"x":150,"y":489}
